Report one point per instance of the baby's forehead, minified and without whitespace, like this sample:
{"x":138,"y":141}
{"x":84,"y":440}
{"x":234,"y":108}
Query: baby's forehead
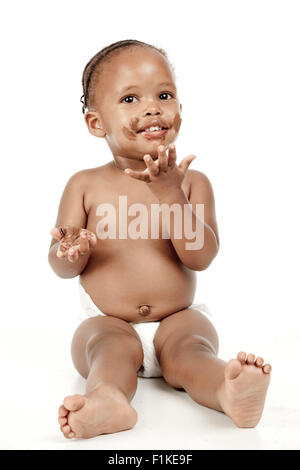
{"x":137,"y":84}
{"x":143,"y":68}
{"x":125,"y":74}
{"x":136,"y":60}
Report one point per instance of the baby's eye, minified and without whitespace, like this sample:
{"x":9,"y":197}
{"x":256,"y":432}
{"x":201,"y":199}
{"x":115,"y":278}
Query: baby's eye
{"x":164,"y":94}
{"x":126,"y":98}
{"x":129,"y":98}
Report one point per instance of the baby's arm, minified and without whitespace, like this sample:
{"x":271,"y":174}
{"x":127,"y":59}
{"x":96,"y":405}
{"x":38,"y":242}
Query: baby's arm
{"x":71,"y":213}
{"x":201,"y":192}
{"x":165,"y":179}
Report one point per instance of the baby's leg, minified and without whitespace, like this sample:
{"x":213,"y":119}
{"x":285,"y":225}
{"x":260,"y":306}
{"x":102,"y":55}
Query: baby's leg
{"x":108,"y":353}
{"x":187,"y":345}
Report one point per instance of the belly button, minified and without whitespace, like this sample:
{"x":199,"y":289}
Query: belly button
{"x":144,"y":310}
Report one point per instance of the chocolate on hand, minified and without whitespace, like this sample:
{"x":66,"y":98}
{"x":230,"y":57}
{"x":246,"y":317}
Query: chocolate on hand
{"x":74,"y":241}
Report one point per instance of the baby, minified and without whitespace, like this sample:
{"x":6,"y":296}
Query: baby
{"x":137,"y":286}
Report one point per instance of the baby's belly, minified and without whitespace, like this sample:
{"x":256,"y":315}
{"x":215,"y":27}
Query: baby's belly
{"x":145,"y":290}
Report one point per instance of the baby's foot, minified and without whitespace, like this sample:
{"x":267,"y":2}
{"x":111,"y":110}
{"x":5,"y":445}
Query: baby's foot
{"x":105,"y":410}
{"x":242,"y":394}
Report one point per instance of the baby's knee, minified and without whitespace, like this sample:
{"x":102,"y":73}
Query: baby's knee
{"x":114,"y":341}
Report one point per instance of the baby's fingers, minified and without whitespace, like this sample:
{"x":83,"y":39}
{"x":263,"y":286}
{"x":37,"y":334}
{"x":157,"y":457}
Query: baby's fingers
{"x":138,"y":175}
{"x":84,"y":246}
{"x":73,"y":254}
{"x":92,"y":239}
{"x":152,"y":167}
{"x":61,"y":251}
{"x":56,"y":234}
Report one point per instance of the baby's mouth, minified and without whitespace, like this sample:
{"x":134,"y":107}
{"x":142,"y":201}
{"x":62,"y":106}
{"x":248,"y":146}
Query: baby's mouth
{"x":153,"y":131}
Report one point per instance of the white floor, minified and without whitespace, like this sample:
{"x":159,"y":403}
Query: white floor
{"x":37,"y":373}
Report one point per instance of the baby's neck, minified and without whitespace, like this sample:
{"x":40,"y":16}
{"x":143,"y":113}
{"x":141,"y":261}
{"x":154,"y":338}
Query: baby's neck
{"x":121,"y":163}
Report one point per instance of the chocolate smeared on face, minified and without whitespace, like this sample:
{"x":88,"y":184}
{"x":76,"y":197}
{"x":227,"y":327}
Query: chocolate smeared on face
{"x":144,"y":310}
{"x":134,"y":124}
{"x":129,"y":134}
{"x":177,"y":122}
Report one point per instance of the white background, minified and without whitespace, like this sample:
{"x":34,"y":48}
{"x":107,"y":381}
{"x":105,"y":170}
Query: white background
{"x":237,"y":64}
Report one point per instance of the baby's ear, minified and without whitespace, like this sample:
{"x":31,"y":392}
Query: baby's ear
{"x":94,"y":123}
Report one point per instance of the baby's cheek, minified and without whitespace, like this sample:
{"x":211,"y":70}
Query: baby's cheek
{"x":134,"y":124}
{"x":177,"y":122}
{"x":128,"y":134}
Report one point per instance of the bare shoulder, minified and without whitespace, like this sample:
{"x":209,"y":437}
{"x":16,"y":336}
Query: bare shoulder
{"x":84,"y":176}
{"x":83,"y":180}
{"x":78,"y":178}
{"x":78,"y":187}
{"x":200,"y":185}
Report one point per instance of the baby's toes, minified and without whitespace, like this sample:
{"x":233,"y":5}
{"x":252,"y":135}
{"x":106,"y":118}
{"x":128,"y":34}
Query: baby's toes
{"x":62,"y":421}
{"x":62,"y":411}
{"x":241,"y":356}
{"x":67,"y":431}
{"x":259,"y":361}
{"x":74,"y":402}
{"x":250,"y":359}
{"x":267,"y":368}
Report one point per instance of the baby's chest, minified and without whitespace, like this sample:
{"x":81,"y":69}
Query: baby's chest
{"x":134,"y":216}
{"x":127,"y":219}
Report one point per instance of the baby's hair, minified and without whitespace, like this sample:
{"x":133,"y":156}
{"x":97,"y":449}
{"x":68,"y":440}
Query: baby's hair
{"x":92,"y":68}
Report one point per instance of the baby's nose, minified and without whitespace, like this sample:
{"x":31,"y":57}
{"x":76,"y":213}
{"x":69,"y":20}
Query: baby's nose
{"x":152,"y":108}
{"x":152,"y":112}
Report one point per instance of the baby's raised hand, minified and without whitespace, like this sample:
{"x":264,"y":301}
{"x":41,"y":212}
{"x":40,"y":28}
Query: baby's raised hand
{"x":163,"y":175}
{"x":73,"y":242}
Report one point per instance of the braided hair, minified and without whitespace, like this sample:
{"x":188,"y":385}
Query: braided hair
{"x":91,"y":71}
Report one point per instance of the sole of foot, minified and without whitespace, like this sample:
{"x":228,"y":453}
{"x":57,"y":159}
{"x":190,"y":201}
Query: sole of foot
{"x":243,"y":392}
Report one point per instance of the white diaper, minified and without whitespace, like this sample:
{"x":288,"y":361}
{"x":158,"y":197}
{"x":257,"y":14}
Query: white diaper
{"x":146,"y":332}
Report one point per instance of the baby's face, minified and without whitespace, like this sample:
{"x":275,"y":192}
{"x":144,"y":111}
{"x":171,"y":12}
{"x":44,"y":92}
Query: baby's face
{"x":120,"y":112}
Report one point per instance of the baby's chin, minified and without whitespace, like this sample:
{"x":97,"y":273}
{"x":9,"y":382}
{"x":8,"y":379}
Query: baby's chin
{"x":152,"y":146}
{"x":138,"y":150}
{"x":153,"y":152}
